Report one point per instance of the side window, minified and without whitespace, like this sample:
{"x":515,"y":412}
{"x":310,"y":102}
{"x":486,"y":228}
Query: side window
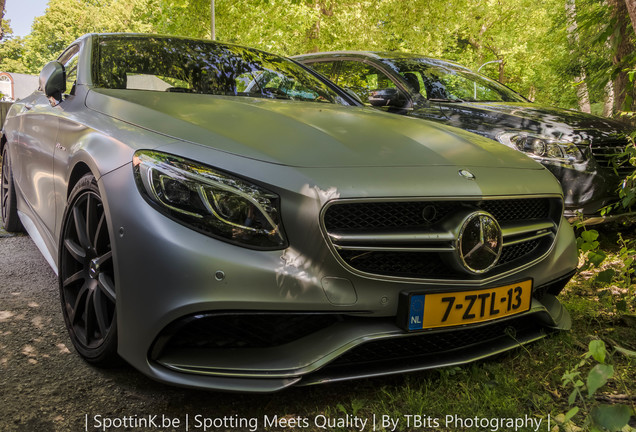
{"x":70,"y":66}
{"x":361,"y":78}
{"x":326,"y":69}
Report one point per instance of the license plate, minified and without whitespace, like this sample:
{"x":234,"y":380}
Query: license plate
{"x":466,"y":307}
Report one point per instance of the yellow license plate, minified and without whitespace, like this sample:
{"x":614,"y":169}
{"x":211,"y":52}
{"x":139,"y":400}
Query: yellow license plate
{"x":467,"y":307}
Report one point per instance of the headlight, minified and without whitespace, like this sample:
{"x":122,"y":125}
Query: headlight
{"x":542,"y":147}
{"x":210,"y":201}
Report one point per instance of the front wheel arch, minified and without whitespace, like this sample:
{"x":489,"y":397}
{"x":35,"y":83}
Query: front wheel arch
{"x":79,"y":170}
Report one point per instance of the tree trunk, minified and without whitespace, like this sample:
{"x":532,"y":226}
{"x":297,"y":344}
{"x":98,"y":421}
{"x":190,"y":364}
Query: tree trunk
{"x":325,"y":8}
{"x":608,"y":106}
{"x":623,"y":47}
{"x":582,"y":92}
{"x":631,"y":8}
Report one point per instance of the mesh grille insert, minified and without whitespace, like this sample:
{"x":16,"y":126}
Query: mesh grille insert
{"x":425,"y":344}
{"x":244,"y":330}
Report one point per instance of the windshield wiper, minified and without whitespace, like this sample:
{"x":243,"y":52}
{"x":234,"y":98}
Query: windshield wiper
{"x":446,"y":100}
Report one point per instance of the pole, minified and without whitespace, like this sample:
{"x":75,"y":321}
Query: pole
{"x":212,"y":20}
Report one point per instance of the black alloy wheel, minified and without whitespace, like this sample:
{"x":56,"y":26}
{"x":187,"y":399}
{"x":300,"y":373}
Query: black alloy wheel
{"x":8,"y":200}
{"x":86,"y":276}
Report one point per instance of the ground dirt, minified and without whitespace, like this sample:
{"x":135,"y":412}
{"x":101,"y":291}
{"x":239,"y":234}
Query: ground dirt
{"x":45,"y":386}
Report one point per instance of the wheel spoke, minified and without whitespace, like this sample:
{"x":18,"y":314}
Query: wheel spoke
{"x":5,"y":191}
{"x":102,"y":259}
{"x":74,"y":278}
{"x":101,"y":313}
{"x":80,"y":228}
{"x":89,"y":315}
{"x":89,"y":217}
{"x":75,"y":250}
{"x":100,"y":225}
{"x":107,"y":287}
{"x":76,"y":312}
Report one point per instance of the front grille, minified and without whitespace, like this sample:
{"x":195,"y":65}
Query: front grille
{"x":428,"y":344}
{"x":610,"y":155}
{"x":416,"y":239}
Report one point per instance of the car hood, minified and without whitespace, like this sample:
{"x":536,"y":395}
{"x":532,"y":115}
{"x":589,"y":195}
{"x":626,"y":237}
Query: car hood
{"x":490,"y":118}
{"x":302,"y":134}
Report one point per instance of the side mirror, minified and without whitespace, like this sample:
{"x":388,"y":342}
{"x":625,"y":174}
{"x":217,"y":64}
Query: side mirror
{"x":53,"y":81}
{"x":387,"y":97}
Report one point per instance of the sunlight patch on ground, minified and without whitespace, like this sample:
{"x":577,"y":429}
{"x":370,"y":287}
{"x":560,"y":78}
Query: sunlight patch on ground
{"x":5,"y":315}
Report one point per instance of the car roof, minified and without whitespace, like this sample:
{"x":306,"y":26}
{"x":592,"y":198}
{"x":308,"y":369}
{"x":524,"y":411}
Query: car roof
{"x":380,"y":55}
{"x":158,"y":36}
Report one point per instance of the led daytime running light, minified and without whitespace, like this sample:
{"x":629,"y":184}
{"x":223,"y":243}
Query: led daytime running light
{"x":209,"y":200}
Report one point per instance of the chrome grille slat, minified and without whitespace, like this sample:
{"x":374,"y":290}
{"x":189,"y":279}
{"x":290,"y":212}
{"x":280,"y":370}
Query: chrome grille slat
{"x":397,"y":248}
{"x":440,"y":241}
{"x":607,"y":154}
{"x":390,"y":237}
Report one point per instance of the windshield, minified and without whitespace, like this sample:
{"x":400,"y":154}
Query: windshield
{"x":197,"y":66}
{"x":438,"y":80}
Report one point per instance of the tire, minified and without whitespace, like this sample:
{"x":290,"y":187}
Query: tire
{"x":8,"y":200}
{"x":86,"y":276}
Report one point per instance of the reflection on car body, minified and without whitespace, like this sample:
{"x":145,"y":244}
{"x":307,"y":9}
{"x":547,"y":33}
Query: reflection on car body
{"x":223,"y":218}
{"x":579,"y":149}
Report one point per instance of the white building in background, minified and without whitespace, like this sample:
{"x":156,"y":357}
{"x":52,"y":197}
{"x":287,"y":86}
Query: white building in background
{"x":15,"y":86}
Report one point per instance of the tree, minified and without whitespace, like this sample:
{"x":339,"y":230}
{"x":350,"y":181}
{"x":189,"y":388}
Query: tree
{"x":631,"y":9}
{"x":582,"y":92}
{"x":2,"y":28}
{"x":621,"y":40}
{"x":11,"y":51}
{"x":530,"y":37}
{"x":62,"y":23}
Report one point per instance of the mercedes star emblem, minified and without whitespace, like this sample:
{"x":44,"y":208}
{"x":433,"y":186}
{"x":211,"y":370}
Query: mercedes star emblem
{"x":479,"y":242}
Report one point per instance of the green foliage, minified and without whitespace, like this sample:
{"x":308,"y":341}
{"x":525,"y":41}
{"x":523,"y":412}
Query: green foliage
{"x":615,"y":272}
{"x":611,"y":417}
{"x":600,"y":416}
{"x":627,"y":190}
{"x":598,"y":377}
{"x":66,"y":20}
{"x":529,"y":37}
{"x":596,"y":350}
{"x":589,"y":247}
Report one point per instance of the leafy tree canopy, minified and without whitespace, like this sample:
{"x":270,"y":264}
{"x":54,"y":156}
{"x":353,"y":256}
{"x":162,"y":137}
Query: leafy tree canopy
{"x":534,"y":40}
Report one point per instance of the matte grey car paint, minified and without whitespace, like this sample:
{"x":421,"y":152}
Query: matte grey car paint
{"x":310,"y":155}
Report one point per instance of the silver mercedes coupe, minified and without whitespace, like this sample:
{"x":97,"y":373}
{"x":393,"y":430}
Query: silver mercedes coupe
{"x":224,"y":218}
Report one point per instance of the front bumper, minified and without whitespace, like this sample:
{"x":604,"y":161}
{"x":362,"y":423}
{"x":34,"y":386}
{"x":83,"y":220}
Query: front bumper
{"x":168,"y":277}
{"x":587,"y":189}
